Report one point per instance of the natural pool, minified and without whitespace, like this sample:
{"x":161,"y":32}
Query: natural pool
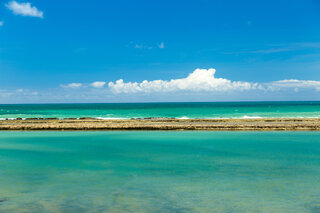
{"x":149,"y":171}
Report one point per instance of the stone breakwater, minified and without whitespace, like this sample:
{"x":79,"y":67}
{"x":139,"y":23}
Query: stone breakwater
{"x":267,"y":124}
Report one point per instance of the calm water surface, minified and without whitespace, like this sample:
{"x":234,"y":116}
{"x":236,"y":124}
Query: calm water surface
{"x":160,"y":172}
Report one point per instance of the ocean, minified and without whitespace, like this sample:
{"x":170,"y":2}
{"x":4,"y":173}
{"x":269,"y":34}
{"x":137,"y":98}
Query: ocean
{"x":160,"y":172}
{"x":170,"y":110}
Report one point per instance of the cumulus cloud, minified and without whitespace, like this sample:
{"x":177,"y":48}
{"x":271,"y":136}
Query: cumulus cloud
{"x":98,"y":84}
{"x":72,"y":85}
{"x":205,"y":80}
{"x":198,"y":80}
{"x":24,"y":9}
{"x":200,"y":85}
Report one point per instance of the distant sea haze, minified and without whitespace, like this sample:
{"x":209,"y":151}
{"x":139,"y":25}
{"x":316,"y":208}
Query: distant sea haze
{"x":168,"y":110}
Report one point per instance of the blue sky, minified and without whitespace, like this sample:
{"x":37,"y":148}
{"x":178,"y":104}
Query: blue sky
{"x":53,"y":51}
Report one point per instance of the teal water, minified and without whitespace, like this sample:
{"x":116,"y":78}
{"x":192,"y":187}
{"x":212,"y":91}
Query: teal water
{"x":176,"y":110}
{"x":160,"y":172}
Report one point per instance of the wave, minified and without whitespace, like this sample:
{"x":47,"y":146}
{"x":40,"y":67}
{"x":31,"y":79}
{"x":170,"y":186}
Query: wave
{"x":108,"y":118}
{"x":3,"y":119}
{"x":250,"y":117}
{"x":182,"y":117}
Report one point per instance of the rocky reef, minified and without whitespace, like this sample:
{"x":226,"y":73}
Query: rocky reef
{"x":267,"y":124}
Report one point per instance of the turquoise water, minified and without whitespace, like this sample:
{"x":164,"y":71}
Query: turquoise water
{"x":176,"y":110}
{"x":160,"y":172}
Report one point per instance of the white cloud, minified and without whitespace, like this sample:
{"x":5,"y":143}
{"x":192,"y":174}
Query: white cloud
{"x":1,"y":23}
{"x":98,"y":84}
{"x":280,"y":48}
{"x":17,"y":93}
{"x":161,"y":45}
{"x":200,"y":85}
{"x":198,"y":80}
{"x":149,"y":47}
{"x":141,"y":46}
{"x":72,"y":85}
{"x":294,"y":84}
{"x":24,"y":9}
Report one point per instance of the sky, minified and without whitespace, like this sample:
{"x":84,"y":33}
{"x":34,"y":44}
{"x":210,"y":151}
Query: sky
{"x":157,"y":51}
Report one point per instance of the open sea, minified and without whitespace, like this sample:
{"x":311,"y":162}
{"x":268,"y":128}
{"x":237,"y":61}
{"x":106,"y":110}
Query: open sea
{"x":171,"y":110}
{"x":178,"y":172}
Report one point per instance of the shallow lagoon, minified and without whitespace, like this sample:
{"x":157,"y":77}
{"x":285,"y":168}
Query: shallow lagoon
{"x":160,"y":171}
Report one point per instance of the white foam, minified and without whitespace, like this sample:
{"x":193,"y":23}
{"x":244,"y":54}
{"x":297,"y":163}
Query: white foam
{"x":183,"y":117}
{"x":2,"y":119}
{"x":107,"y":118}
{"x":250,"y":117}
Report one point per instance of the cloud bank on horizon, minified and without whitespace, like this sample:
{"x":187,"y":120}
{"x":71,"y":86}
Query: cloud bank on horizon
{"x":200,"y":85}
{"x":200,"y":80}
{"x":205,"y":80}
